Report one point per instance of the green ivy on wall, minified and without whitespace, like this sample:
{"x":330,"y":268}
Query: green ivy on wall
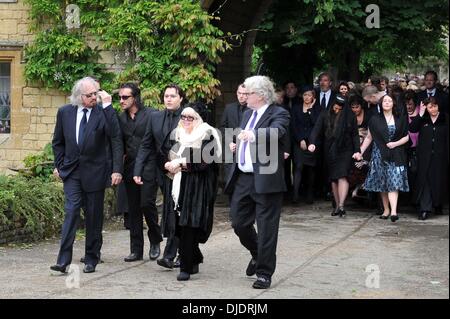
{"x":161,"y":41}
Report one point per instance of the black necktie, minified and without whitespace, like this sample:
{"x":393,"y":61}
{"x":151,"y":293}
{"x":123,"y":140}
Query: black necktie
{"x":430,"y":94}
{"x":82,"y":128}
{"x":323,"y":102}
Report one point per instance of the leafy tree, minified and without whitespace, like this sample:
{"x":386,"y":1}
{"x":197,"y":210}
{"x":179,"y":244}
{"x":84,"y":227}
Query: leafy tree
{"x":334,"y":33}
{"x":163,"y":41}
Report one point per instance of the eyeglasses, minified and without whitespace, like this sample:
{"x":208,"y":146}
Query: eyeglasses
{"x":89,"y":95}
{"x":187,"y":118}
{"x":124,"y":97}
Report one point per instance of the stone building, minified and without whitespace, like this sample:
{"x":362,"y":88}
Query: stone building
{"x":27,"y":113}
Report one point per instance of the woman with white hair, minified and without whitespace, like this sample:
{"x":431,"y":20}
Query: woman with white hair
{"x":194,"y":184}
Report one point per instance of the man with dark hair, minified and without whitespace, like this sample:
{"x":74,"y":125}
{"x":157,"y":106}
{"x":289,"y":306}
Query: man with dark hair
{"x":431,"y":90}
{"x":155,"y":148}
{"x":325,"y":94}
{"x":141,"y":198}
{"x":232,"y":116}
{"x":82,"y":132}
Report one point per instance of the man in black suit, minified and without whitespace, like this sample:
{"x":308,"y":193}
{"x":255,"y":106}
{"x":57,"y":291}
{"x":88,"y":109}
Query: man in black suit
{"x":325,"y":99}
{"x":231,"y":118}
{"x":141,"y":198}
{"x":155,"y":148}
{"x":82,"y":133}
{"x":325,"y":94}
{"x":256,"y":183}
{"x":431,"y":90}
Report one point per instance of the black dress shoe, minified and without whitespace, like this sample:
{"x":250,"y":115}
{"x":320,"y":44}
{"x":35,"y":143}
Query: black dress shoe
{"x":183,"y":276}
{"x":132,"y":257}
{"x":176,"y":263}
{"x":164,"y":262}
{"x":394,"y":218}
{"x":262,"y":283}
{"x":341,"y":212}
{"x":251,"y":268}
{"x":155,"y":251}
{"x":82,"y":259}
{"x":423,"y":215}
{"x":60,"y":268}
{"x":88,"y":268}
{"x":384,"y":216}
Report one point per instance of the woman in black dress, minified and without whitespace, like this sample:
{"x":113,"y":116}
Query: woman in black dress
{"x":194,"y":184}
{"x":432,"y":157}
{"x":341,"y":141}
{"x":303,"y":118}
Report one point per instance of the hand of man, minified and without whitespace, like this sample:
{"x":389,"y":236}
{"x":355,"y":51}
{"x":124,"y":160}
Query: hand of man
{"x":303,"y":145}
{"x":56,"y":173}
{"x":232,"y":147}
{"x":286,"y":155}
{"x":311,"y":148}
{"x":106,"y":98}
{"x":138,"y":180}
{"x":246,"y":136}
{"x":116,"y":179}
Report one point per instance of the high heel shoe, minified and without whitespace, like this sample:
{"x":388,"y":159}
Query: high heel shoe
{"x":384,"y":216}
{"x":342,"y":212}
{"x":394,"y":218}
{"x":335,"y":212}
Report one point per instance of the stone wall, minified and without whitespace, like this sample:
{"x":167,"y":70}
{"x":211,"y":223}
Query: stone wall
{"x":33,"y":109}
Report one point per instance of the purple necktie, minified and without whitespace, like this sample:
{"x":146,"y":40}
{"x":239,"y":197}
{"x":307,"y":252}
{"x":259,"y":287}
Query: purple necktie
{"x":252,"y":124}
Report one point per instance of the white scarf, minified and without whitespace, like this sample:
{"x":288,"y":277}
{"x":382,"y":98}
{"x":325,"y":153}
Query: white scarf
{"x":194,"y":140}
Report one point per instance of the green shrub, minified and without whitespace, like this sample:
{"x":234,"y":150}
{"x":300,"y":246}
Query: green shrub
{"x":36,"y":204}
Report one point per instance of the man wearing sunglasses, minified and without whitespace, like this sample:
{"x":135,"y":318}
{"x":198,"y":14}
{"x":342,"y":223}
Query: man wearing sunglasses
{"x":83,"y":132}
{"x":141,"y":198}
{"x":155,"y":148}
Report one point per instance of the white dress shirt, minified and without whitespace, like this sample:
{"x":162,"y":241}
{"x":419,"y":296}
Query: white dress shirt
{"x":327,"y":97}
{"x":248,"y":166}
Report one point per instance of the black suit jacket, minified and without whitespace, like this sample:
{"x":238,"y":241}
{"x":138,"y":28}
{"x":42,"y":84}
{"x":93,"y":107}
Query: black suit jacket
{"x":133,"y":131}
{"x":274,"y":117}
{"x":154,"y":147}
{"x":441,"y":97}
{"x":330,"y":101}
{"x":102,"y":131}
{"x":231,"y":117}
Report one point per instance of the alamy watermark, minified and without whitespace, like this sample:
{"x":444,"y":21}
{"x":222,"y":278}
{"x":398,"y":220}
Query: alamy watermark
{"x":373,"y":19}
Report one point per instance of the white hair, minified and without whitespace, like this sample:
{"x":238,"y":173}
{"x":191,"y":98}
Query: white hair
{"x":75,"y":97}
{"x":261,"y":85}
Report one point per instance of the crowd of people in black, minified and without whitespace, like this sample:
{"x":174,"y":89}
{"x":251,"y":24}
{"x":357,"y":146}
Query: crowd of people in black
{"x":379,"y":139}
{"x":332,"y":151}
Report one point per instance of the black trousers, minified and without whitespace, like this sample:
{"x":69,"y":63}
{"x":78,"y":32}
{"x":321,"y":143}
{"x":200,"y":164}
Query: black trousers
{"x":92,"y":204}
{"x":301,"y":170}
{"x":142,"y":203}
{"x":190,"y":253}
{"x":247,"y":207}
{"x":426,"y":199}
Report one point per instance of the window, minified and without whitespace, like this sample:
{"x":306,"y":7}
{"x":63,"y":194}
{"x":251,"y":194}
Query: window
{"x":5,"y":97}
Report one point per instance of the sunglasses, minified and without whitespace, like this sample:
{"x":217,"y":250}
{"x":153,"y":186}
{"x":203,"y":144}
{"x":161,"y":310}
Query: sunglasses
{"x":124,"y":97}
{"x":187,"y":118}
{"x":89,"y":95}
